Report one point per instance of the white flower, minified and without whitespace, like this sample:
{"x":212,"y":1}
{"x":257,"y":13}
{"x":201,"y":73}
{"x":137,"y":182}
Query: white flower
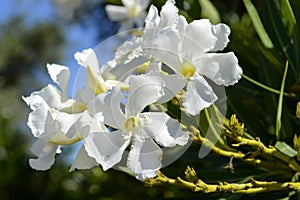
{"x":57,"y":132}
{"x":64,"y":129}
{"x":51,"y":98}
{"x":57,"y":120}
{"x":186,"y":48}
{"x":135,"y":127}
{"x":95,"y":83}
{"x":131,"y":15}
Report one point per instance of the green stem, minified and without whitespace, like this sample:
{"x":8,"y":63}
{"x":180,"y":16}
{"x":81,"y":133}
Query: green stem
{"x":266,"y":87}
{"x":280,"y":99}
{"x":197,"y":185}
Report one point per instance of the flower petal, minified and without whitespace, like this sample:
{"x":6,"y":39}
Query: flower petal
{"x":124,"y":68}
{"x":116,"y":13}
{"x":109,"y":104}
{"x":152,"y":19}
{"x":129,"y":3}
{"x":199,"y":95}
{"x":198,"y":38}
{"x":66,"y":121}
{"x":50,"y":95}
{"x":85,"y":94}
{"x":165,"y":130}
{"x":127,"y":47}
{"x":45,"y":152}
{"x":162,"y":44}
{"x":83,"y":160}
{"x":60,"y":75}
{"x":106,"y":148}
{"x":158,"y":41}
{"x":144,"y":4}
{"x":87,"y":58}
{"x":37,"y":118}
{"x":144,"y":158}
{"x":168,"y":14}
{"x":223,"y":69}
{"x":144,"y":90}
{"x":173,"y":84}
{"x":182,"y":24}
{"x":221,"y":31}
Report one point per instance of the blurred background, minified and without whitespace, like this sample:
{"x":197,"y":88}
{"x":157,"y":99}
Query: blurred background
{"x":36,"y":32}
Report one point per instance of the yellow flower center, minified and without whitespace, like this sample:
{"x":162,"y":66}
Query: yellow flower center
{"x":187,"y":69}
{"x":131,"y":124}
{"x":95,"y":83}
{"x":61,"y":139}
{"x":142,"y":68}
{"x":133,"y":12}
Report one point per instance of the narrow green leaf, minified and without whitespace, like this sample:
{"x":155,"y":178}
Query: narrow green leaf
{"x":265,"y":86}
{"x":258,"y":24}
{"x":209,"y":11}
{"x":280,"y":99}
{"x":114,"y":2}
{"x":285,"y":148}
{"x":288,"y":15}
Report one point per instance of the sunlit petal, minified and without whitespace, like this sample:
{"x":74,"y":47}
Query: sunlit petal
{"x":165,"y":130}
{"x":116,"y":13}
{"x":46,"y":155}
{"x":199,"y":95}
{"x":37,"y":118}
{"x":83,"y":160}
{"x":221,"y":31}
{"x":168,"y":14}
{"x":109,"y":104}
{"x":87,"y":58}
{"x":198,"y":38}
{"x":144,"y":90}
{"x":60,"y":75}
{"x":106,"y":148}
{"x":223,"y":68}
{"x":144,"y":158}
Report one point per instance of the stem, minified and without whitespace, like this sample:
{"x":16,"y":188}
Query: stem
{"x":198,"y":185}
{"x":266,"y":87}
{"x":241,"y":156}
{"x":280,"y":100}
{"x":272,"y":151}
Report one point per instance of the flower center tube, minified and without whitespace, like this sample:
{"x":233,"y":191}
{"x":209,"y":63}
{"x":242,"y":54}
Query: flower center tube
{"x":131,"y":124}
{"x":187,"y":69}
{"x":133,"y":12}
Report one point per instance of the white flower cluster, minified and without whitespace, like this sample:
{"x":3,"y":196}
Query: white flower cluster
{"x":112,"y":113}
{"x":131,"y":15}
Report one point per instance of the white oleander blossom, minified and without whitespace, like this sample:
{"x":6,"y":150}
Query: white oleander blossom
{"x":188,"y":50}
{"x":120,"y":113}
{"x":51,"y":98}
{"x":140,"y":129}
{"x":57,"y":120}
{"x":131,"y":14}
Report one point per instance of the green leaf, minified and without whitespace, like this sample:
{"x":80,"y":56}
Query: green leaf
{"x":195,"y":9}
{"x":283,"y":43}
{"x":263,"y":86}
{"x":280,"y":99}
{"x":114,"y":2}
{"x":285,"y":148}
{"x":209,"y":11}
{"x":258,"y":24}
{"x":288,"y":15}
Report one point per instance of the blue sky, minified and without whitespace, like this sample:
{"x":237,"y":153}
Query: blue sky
{"x":34,"y":11}
{"x":78,"y":38}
